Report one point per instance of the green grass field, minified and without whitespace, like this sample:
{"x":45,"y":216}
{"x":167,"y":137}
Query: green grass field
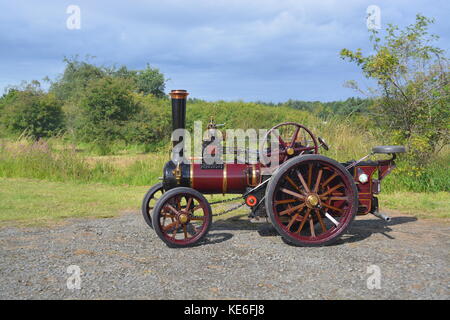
{"x":37,"y":202}
{"x":27,"y":202}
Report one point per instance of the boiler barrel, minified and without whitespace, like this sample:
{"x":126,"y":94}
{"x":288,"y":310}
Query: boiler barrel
{"x":233,"y":178}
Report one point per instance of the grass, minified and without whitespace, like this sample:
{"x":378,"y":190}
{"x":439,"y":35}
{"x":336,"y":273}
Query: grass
{"x":43,"y":160}
{"x":420,"y":205}
{"x":27,"y":202}
{"x":38,"y":160}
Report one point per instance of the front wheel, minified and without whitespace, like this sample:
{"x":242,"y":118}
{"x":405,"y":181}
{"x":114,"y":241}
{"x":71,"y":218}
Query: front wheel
{"x":182,"y":217}
{"x":311,"y":200}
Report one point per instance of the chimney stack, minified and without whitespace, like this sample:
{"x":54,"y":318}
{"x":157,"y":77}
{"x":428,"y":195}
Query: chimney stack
{"x":178,"y":111}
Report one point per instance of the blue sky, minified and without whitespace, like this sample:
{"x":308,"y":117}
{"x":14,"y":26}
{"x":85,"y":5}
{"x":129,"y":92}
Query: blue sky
{"x":270,"y":50}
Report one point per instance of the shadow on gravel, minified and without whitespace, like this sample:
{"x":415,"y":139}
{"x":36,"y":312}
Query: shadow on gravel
{"x":213,"y":238}
{"x":362,"y":229}
{"x":358,"y":231}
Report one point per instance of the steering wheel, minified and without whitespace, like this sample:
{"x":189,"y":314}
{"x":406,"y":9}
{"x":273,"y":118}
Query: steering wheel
{"x":293,"y":139}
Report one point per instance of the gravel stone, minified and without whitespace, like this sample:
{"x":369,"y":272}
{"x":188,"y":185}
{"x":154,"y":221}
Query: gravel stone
{"x":122,"y":258}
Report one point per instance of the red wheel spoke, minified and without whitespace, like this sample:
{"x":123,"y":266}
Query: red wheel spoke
{"x":311,"y":227}
{"x":333,"y":198}
{"x":178,"y":201}
{"x":303,"y":181}
{"x":319,"y":217}
{"x":334,"y":175}
{"x":175,"y":230}
{"x":304,"y":220}
{"x":188,"y":205}
{"x":185,"y":231}
{"x":277,"y":202}
{"x":332,"y":207}
{"x":293,"y":219}
{"x":332,"y":189}
{"x":292,"y":193}
{"x":280,"y":140}
{"x":169,"y":226}
{"x":172,"y":208}
{"x":287,"y":211}
{"x":197,"y":218}
{"x":319,"y":176}
{"x":294,"y":137}
{"x":293,"y":184}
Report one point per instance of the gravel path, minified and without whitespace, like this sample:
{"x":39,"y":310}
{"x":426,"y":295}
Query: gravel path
{"x":122,"y":258}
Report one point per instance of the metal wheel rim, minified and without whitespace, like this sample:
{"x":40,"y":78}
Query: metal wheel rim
{"x":179,"y":227}
{"x":343,"y":219}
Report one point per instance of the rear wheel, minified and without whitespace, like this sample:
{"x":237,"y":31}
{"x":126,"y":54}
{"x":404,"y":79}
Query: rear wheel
{"x":311,"y":200}
{"x":182,"y":217}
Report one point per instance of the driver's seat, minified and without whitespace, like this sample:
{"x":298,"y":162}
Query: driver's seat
{"x":389,"y":149}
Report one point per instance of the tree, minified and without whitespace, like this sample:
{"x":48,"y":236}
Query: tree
{"x":76,"y":76}
{"x":106,"y":105}
{"x":412,"y":95}
{"x":32,"y":111}
{"x":151,"y":81}
{"x":71,"y":84}
{"x":147,"y":81}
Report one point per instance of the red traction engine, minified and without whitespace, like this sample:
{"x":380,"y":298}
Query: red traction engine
{"x":309,"y":198}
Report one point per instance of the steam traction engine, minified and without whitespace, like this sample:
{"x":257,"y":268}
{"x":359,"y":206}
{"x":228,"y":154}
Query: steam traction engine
{"x":310,"y":199}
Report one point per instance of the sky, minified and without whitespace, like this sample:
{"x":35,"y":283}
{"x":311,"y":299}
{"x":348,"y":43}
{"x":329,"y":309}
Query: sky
{"x":251,"y":50}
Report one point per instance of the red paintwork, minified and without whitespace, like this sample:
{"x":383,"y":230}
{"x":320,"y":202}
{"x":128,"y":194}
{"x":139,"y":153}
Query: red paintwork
{"x":212,"y":180}
{"x":364,"y":189}
{"x":384,"y":168}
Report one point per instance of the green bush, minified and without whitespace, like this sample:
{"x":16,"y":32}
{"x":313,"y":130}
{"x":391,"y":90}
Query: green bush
{"x":106,"y":105}
{"x":75,"y":78}
{"x":77,"y":74}
{"x":33,"y":112}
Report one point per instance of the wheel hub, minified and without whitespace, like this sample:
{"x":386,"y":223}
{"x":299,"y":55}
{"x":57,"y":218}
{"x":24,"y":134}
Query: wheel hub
{"x":290,"y":151}
{"x":312,"y":200}
{"x":183,"y":218}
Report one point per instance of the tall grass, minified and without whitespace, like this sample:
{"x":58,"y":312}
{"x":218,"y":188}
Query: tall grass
{"x":434,"y":177}
{"x":56,"y":161}
{"x":62,"y":159}
{"x":37,"y":160}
